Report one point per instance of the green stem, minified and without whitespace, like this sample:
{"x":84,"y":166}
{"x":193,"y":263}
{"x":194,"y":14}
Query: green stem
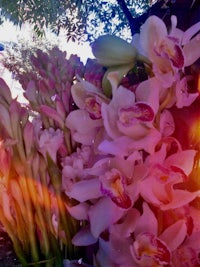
{"x":16,"y":243}
{"x":37,"y":209}
{"x":30,"y":219}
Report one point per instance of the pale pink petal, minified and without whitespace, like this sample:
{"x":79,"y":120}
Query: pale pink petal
{"x":80,"y":211}
{"x":148,"y":91}
{"x":174,"y":31}
{"x":85,"y":190}
{"x":118,"y":249}
{"x":84,"y":238}
{"x":183,"y":160}
{"x":81,"y":90}
{"x":167,"y":125}
{"x":109,"y":120}
{"x":82,"y":127}
{"x":189,"y":33}
{"x":127,"y":226}
{"x":122,"y":98}
{"x":194,"y":240}
{"x":183,"y":98}
{"x":148,"y":142}
{"x":191,"y":51}
{"x":146,"y":191}
{"x":102,"y":259}
{"x":147,"y":222}
{"x":152,"y":31}
{"x":179,"y":199}
{"x":136,"y":131}
{"x":119,"y":147}
{"x":103,"y":214}
{"x":175,"y":234}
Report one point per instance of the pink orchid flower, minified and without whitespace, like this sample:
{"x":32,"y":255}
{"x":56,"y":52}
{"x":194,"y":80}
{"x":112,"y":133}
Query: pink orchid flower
{"x":88,"y":97}
{"x":151,"y":249}
{"x":162,"y":49}
{"x":160,"y":186}
{"x":168,"y":51}
{"x":86,"y":123}
{"x":125,"y":117}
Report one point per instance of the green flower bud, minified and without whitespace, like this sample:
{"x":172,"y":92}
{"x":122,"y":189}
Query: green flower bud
{"x":113,"y":51}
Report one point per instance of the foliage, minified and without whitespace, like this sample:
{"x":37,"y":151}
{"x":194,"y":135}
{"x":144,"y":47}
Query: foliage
{"x":79,"y":18}
{"x":17,"y":56}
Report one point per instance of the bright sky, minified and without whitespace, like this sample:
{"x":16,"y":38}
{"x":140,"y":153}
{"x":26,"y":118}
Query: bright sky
{"x":10,"y":33}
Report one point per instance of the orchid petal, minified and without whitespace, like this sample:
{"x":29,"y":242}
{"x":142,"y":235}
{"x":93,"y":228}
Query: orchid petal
{"x":153,"y":30}
{"x":189,"y":33}
{"x":85,"y":190}
{"x":148,"y":91}
{"x":183,"y":160}
{"x":147,"y":222}
{"x":175,"y":234}
{"x":179,"y":199}
{"x":80,"y":211}
{"x":101,"y":218}
{"x":191,"y":51}
{"x":84,"y":238}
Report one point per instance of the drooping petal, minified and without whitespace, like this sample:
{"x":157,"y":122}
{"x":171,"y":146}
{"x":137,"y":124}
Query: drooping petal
{"x":103,"y":214}
{"x":84,"y":238}
{"x":85,"y":190}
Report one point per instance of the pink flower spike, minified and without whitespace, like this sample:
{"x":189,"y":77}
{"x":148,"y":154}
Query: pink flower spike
{"x":6,"y":120}
{"x":53,"y":114}
{"x":5,"y":91}
{"x":28,"y":136}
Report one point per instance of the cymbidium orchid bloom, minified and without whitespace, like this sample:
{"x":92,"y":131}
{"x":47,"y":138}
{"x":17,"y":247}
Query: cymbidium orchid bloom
{"x":86,"y":123}
{"x":125,"y":117}
{"x":168,"y":51}
{"x":88,"y":97}
{"x":160,"y":186}
{"x":163,"y":50}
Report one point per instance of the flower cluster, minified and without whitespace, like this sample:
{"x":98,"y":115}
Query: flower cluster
{"x":136,"y":183}
{"x":105,"y":157}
